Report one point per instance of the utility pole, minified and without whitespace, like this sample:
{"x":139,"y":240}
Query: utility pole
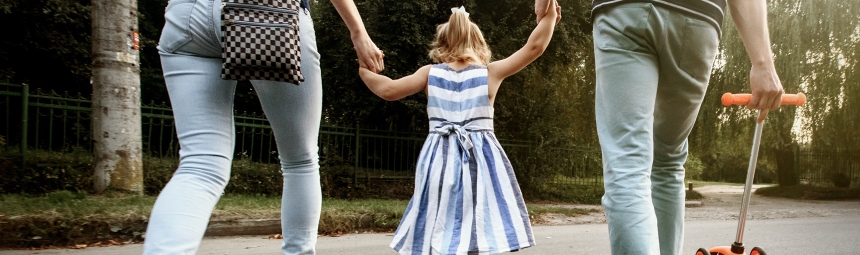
{"x":116,"y":121}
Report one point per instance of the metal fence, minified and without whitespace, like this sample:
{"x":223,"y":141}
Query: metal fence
{"x":48,"y":121}
{"x":828,"y":168}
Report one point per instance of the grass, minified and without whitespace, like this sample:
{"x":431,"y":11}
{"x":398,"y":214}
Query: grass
{"x":66,"y":204}
{"x":67,"y":218}
{"x":697,"y":183}
{"x":535,"y":211}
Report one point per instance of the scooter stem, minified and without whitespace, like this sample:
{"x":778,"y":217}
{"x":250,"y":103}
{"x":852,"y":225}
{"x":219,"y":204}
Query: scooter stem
{"x":750,"y":176}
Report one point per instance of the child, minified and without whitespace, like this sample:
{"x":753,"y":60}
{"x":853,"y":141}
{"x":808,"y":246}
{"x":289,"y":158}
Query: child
{"x":466,"y":198}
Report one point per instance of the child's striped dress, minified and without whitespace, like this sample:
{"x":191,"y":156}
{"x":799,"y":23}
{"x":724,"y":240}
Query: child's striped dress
{"x":466,"y":200}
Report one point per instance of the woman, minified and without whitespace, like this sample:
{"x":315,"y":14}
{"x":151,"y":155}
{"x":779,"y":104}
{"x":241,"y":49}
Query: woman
{"x":190,"y":49}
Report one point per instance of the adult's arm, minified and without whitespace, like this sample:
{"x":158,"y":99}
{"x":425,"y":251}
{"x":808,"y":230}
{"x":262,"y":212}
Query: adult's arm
{"x":368,"y":54}
{"x":541,"y":7}
{"x":750,"y":17}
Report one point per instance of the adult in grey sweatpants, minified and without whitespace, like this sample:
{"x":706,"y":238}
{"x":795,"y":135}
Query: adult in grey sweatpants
{"x":653,"y":59}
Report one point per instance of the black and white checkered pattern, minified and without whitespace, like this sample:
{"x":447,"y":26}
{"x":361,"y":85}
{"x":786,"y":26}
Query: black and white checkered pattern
{"x":261,"y":40}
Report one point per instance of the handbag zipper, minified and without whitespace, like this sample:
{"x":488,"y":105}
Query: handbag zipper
{"x":257,"y":7}
{"x":259,"y":24}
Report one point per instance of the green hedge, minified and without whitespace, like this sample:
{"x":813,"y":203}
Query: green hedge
{"x":72,"y":171}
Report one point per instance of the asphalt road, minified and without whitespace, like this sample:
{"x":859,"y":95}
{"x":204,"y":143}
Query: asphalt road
{"x":808,"y":235}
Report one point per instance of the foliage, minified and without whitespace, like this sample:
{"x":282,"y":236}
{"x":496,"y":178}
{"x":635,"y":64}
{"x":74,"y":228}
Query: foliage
{"x":693,"y":168}
{"x":841,"y":180}
{"x":816,"y":47}
{"x":53,"y":37}
{"x":404,"y":36}
{"x":46,"y":172}
{"x":577,"y":194}
{"x":45,"y":37}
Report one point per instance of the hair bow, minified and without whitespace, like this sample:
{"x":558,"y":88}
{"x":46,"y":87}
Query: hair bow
{"x":461,"y":9}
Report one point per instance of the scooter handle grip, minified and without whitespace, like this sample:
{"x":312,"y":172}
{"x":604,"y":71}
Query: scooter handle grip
{"x":743,"y":99}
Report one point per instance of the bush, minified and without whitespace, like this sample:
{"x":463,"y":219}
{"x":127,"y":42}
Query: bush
{"x":693,"y":195}
{"x":841,"y":180}
{"x":46,"y":172}
{"x":579,"y":194}
{"x":809,"y":192}
{"x":72,"y":171}
{"x":55,"y":171}
{"x":693,"y":168}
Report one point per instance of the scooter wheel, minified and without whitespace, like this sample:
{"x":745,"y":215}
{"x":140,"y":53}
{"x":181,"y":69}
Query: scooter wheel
{"x":702,"y":251}
{"x":757,"y":251}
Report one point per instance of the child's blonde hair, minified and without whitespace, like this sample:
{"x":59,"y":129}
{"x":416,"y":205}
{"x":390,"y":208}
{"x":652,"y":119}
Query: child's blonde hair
{"x":459,"y":39}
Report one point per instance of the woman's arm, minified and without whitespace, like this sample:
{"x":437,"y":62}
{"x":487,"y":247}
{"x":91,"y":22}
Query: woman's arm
{"x":538,"y":40}
{"x":392,"y":90}
{"x":368,"y":54}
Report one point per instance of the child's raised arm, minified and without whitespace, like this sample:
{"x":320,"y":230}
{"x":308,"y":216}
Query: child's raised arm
{"x":392,"y":90}
{"x":538,"y":40}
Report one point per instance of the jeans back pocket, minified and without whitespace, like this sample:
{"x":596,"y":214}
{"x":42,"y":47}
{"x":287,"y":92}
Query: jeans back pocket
{"x":177,"y":23}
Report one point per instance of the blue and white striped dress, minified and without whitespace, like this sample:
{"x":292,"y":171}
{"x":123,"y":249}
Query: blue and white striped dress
{"x":466,"y":200}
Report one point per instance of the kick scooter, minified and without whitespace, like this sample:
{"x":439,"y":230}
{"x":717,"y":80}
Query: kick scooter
{"x":737,"y":248}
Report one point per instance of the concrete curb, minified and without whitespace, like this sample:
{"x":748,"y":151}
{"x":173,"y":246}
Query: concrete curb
{"x":273,"y":226}
{"x":243,"y":227}
{"x":693,"y":203}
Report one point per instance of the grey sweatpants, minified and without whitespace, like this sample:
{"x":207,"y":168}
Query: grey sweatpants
{"x":653,"y":66}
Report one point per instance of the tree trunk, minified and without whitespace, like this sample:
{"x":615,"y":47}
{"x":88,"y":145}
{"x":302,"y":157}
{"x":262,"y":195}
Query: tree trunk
{"x":785,"y":168}
{"x":116,"y":97}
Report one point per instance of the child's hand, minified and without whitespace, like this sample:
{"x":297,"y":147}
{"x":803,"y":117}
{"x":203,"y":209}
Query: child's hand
{"x":361,"y":64}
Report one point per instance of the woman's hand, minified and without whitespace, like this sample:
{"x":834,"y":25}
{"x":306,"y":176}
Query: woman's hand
{"x":369,"y":56}
{"x":542,"y":7}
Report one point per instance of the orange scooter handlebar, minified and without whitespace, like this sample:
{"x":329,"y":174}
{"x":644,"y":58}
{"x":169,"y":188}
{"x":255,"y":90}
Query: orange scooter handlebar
{"x":743,"y":99}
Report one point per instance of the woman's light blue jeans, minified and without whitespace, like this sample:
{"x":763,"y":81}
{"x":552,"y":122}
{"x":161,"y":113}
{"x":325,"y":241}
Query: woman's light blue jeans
{"x":203,"y":109}
{"x":652,"y":66}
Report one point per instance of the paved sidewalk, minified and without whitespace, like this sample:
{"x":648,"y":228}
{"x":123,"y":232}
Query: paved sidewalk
{"x":810,"y":235}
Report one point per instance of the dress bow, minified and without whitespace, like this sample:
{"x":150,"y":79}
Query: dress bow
{"x":448,"y":128}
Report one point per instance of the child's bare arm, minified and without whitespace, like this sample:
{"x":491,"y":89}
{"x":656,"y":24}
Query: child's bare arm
{"x":392,"y":90}
{"x":538,"y":40}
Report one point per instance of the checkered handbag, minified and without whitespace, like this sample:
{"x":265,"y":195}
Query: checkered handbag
{"x":261,"y":40}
